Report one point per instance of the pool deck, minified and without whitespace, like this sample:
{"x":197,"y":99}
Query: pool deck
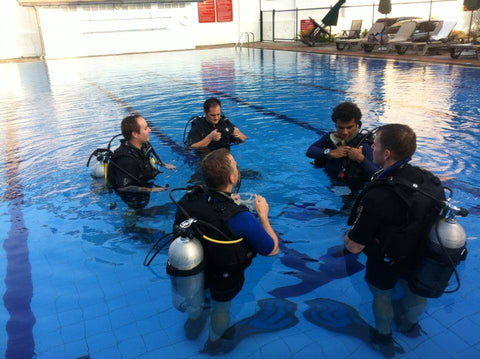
{"x":329,"y":49}
{"x":443,"y":58}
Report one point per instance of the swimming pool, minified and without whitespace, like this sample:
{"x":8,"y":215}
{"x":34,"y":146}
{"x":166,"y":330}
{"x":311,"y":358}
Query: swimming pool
{"x":74,"y":283}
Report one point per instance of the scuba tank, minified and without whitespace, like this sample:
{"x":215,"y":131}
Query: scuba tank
{"x":103,"y":157}
{"x":185,"y":266}
{"x":445,"y":249}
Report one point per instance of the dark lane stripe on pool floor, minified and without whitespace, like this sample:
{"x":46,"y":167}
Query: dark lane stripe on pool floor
{"x":164,"y":138}
{"x":256,"y":108}
{"x":18,"y":279}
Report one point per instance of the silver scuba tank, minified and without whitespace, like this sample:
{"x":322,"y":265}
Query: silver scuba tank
{"x":185,"y":266}
{"x":445,"y":249}
{"x":98,"y":169}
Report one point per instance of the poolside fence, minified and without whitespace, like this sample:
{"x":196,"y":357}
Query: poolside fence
{"x":285,"y":25}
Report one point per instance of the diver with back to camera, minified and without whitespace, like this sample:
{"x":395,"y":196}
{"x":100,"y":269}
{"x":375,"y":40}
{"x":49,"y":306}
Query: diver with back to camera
{"x":229,"y":238}
{"x":133,"y":166}
{"x":407,"y":229}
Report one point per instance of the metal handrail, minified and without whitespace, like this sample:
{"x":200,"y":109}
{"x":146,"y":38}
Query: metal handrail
{"x":244,"y":36}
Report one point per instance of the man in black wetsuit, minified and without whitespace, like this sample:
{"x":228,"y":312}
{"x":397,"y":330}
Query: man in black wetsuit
{"x":341,"y":153}
{"x":390,"y":222}
{"x":213,"y":130}
{"x":134,"y":163}
{"x":228,"y":256}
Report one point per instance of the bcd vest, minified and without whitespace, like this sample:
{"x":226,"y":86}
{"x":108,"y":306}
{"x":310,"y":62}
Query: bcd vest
{"x":402,"y":246}
{"x":234,"y":254}
{"x":143,"y":159}
{"x":224,"y":126}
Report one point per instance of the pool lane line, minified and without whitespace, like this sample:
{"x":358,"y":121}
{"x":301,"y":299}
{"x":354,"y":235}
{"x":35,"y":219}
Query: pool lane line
{"x":18,"y":279}
{"x":376,"y":99}
{"x":164,"y":138}
{"x":256,"y":108}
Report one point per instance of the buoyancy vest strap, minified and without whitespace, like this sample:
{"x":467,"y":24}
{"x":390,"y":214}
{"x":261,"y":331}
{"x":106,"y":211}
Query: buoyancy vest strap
{"x":222,"y":242}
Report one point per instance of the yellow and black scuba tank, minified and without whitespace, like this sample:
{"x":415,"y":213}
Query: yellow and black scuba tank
{"x":103,"y":157}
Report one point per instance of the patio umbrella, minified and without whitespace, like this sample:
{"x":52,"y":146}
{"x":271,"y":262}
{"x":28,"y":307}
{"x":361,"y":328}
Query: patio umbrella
{"x":332,"y":16}
{"x":385,"y":7}
{"x":471,"y":5}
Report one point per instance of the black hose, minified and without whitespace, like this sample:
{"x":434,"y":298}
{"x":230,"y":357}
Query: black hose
{"x":449,"y":260}
{"x":146,"y":261}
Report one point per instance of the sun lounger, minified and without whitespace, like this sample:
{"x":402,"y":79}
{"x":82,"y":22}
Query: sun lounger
{"x":457,"y":49}
{"x":354,"y":32}
{"x":342,"y":43}
{"x":310,"y":37}
{"x":438,"y":38}
{"x":403,"y":34}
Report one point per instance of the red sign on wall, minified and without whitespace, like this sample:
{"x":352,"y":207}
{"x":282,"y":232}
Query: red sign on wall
{"x":206,"y":11}
{"x":306,"y":25}
{"x":224,"y":10}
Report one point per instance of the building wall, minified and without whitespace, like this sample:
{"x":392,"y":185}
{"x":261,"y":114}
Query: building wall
{"x":107,"y":29}
{"x":18,"y":31}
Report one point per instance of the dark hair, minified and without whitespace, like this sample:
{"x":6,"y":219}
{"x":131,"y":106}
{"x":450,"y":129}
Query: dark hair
{"x":216,"y":167}
{"x":345,"y":111}
{"x":399,"y":139}
{"x":129,"y":125}
{"x":211,"y":102}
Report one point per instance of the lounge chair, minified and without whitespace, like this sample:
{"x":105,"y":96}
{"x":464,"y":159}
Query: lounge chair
{"x":437,"y":38}
{"x":342,"y":43}
{"x":354,"y":32}
{"x":457,"y":49}
{"x":311,"y":37}
{"x":403,"y":34}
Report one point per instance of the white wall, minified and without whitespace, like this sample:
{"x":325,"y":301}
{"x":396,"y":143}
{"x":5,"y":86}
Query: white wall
{"x":94,"y":30}
{"x":18,"y":31}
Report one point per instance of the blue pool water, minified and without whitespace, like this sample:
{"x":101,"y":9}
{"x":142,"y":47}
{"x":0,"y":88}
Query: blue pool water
{"x":74,"y":285}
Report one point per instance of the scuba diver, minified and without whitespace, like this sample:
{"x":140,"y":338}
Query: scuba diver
{"x":231,"y":237}
{"x":345,"y":153}
{"x":212,"y":131}
{"x":392,"y":221}
{"x":131,"y":168}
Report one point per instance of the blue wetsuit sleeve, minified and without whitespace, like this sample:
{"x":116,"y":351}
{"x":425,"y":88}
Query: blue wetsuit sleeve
{"x":245,"y":225}
{"x":367,"y":164}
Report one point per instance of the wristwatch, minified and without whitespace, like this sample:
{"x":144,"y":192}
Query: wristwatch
{"x":327,"y":152}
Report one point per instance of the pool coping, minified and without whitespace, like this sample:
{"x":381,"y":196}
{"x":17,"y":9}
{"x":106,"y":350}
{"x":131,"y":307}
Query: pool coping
{"x":328,"y":49}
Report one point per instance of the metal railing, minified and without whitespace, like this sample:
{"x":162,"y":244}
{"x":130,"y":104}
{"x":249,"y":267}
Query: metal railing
{"x":245,"y":37}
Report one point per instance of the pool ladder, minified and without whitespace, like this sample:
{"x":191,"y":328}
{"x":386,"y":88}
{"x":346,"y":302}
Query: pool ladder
{"x":245,"y":38}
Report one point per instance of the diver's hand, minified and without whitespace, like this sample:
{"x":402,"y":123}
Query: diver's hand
{"x":238,"y":134}
{"x":339,"y":152}
{"x":352,"y":247}
{"x":169,"y":166}
{"x":261,"y":206}
{"x":215,"y":135}
{"x":356,"y":154}
{"x":158,"y":189}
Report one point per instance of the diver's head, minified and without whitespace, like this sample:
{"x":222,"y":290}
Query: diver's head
{"x":135,"y":130}
{"x":393,"y":142}
{"x":347,"y":117}
{"x":212,"y":109}
{"x":219,"y":170}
